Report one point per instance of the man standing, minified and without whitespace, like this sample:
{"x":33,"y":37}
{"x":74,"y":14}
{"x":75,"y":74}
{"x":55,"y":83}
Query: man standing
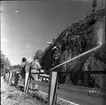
{"x":35,"y":68}
{"x":23,"y":67}
{"x":23,"y":64}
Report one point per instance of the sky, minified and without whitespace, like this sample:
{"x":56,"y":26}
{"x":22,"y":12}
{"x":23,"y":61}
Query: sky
{"x":27,"y":26}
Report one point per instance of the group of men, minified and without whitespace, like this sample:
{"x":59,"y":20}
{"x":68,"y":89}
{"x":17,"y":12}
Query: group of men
{"x":26,"y":67}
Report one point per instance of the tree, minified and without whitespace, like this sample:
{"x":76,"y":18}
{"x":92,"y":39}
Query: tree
{"x":38,"y":55}
{"x":2,"y":60}
{"x":5,"y":63}
{"x":2,"y":57}
{"x":94,"y":6}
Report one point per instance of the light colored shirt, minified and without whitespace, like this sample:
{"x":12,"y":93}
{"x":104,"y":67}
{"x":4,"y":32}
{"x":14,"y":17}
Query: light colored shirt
{"x":35,"y":66}
{"x":23,"y":64}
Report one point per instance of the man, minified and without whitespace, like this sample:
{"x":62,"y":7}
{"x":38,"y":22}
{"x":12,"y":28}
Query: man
{"x":23,"y":64}
{"x":35,"y":68}
{"x":24,"y":68}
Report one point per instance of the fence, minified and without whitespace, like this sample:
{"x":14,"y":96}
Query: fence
{"x":53,"y":83}
{"x":53,"y":78}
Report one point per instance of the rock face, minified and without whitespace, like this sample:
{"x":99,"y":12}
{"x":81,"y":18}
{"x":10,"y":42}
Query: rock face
{"x":97,"y":62}
{"x":81,"y":36}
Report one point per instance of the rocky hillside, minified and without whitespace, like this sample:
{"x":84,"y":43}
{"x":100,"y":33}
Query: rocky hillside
{"x":78,"y":38}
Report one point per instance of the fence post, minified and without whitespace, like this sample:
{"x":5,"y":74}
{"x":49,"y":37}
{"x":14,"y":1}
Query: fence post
{"x":7,"y":76}
{"x":10,"y":78}
{"x":52,"y":94}
{"x":26,"y":82}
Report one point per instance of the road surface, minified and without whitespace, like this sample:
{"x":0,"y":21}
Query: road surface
{"x":77,"y":96}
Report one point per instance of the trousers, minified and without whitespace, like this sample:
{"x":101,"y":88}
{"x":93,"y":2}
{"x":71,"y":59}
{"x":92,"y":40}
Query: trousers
{"x":35,"y":78}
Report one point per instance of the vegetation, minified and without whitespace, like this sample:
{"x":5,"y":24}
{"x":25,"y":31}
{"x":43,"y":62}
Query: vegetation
{"x":4,"y":61}
{"x":80,"y":37}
